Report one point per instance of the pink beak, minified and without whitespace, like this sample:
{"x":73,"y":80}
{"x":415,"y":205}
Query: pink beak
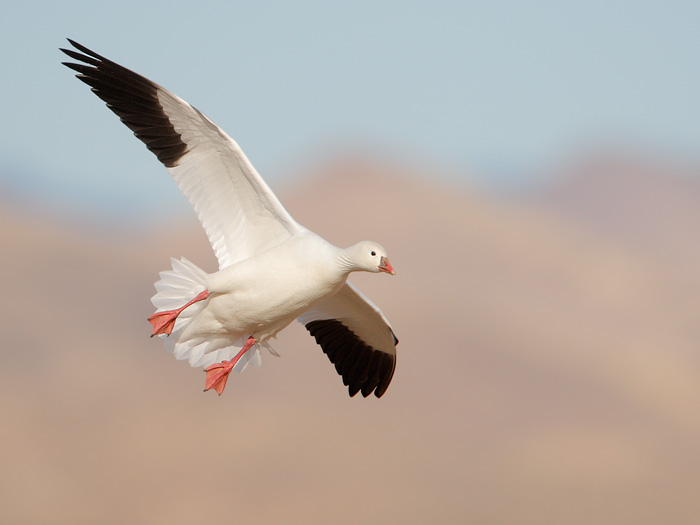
{"x":384,"y":266}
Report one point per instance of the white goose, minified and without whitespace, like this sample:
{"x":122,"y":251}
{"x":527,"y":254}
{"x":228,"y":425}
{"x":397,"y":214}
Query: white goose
{"x":272,"y":270}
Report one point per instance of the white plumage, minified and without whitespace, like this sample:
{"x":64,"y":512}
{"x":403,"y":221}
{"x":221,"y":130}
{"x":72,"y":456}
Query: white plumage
{"x":272,"y":270}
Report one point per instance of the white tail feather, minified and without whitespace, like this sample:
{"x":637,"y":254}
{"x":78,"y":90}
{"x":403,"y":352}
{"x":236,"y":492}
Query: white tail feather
{"x":176,"y":288}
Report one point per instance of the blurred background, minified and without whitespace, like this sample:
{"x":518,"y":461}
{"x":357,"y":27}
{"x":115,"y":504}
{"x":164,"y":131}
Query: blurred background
{"x":533,"y":170}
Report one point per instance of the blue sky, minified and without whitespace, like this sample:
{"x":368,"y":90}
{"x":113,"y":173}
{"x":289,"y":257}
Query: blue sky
{"x":488,"y":88}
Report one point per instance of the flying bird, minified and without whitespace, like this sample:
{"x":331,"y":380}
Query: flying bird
{"x":271,"y":271}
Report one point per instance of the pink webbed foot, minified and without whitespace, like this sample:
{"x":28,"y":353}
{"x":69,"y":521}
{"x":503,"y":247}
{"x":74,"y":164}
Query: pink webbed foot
{"x":217,"y":374}
{"x":163,"y":322}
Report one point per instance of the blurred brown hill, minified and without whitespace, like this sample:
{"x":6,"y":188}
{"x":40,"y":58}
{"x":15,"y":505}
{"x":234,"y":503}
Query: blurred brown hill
{"x":548,"y":367}
{"x":647,"y":205}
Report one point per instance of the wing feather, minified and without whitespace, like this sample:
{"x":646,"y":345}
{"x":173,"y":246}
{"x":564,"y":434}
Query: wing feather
{"x":357,"y":339}
{"x":239,"y":212}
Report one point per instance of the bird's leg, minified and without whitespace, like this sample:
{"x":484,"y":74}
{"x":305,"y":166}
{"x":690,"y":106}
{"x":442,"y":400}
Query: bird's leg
{"x":163,"y":322}
{"x":217,"y":374}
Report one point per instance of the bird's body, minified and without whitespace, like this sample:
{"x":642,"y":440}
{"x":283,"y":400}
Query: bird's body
{"x":241,"y":305}
{"x":271,"y":271}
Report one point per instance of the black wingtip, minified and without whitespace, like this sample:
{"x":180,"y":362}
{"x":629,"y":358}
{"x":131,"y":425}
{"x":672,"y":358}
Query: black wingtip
{"x":84,"y":49}
{"x":133,"y":98}
{"x":362,"y":367}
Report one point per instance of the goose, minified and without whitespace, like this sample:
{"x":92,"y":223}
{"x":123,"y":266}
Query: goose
{"x":272,"y":270}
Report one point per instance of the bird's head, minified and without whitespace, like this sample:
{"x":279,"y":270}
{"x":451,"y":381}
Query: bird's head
{"x":369,"y":256}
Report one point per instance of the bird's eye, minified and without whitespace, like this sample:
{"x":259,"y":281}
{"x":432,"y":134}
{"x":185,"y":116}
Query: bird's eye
{"x":373,"y":254}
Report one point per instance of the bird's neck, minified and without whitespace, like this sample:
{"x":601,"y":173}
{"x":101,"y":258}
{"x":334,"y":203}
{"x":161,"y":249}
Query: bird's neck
{"x":346,"y":262}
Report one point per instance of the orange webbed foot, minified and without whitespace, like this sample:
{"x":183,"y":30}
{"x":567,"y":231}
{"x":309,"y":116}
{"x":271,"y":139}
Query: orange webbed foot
{"x":163,"y":322}
{"x":217,"y":374}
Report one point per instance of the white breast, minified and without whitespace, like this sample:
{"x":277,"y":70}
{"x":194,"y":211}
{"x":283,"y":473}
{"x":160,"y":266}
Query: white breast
{"x":263,"y":294}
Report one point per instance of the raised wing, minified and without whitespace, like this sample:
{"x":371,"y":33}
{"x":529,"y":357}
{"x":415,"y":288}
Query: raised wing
{"x":357,"y":338}
{"x":238,"y":211}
